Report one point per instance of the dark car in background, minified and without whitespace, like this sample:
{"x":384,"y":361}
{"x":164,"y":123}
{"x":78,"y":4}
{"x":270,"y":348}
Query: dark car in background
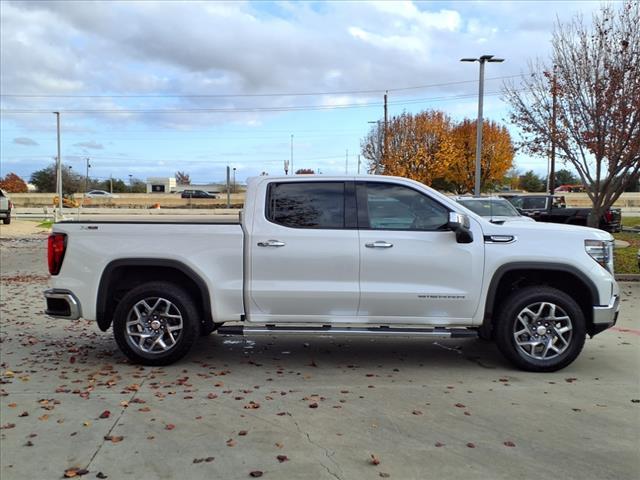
{"x":197,"y":194}
{"x":553,"y":209}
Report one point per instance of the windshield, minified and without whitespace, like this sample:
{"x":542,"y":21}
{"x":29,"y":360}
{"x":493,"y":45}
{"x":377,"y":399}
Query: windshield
{"x":490,"y":208}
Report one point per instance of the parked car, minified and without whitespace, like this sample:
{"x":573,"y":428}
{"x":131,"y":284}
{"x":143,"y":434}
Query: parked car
{"x":197,"y":194}
{"x":6,"y":205}
{"x":335,"y":256}
{"x":495,"y":209}
{"x":100,"y":194}
{"x":553,"y":208}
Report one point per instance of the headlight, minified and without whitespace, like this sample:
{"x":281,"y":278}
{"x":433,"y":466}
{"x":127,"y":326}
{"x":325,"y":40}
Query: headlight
{"x":601,"y":251}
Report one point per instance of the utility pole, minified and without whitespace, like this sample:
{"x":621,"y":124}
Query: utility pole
{"x":110,"y":183}
{"x":482,"y":60}
{"x":346,"y":163}
{"x":86,"y":178}
{"x":286,"y":167}
{"x":58,"y":170}
{"x":551,"y":181}
{"x":358,"y":164}
{"x":384,"y":135}
{"x":291,"y":164}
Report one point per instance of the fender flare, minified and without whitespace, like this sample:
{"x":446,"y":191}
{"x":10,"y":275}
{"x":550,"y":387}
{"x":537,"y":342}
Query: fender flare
{"x":548,"y":266}
{"x":104,"y":322}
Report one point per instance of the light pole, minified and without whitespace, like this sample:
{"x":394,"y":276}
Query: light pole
{"x":58,"y":169}
{"x":291,"y":164}
{"x":234,"y":180}
{"x":482,"y":60}
{"x":86,"y":179}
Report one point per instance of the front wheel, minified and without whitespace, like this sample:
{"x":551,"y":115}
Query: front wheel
{"x":156,"y":323}
{"x":540,"y":329}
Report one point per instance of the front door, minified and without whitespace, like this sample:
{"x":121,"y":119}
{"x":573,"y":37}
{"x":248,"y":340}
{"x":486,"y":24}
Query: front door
{"x":412,"y":270}
{"x":304,"y":254}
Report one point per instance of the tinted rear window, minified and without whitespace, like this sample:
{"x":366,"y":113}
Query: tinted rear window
{"x":307,"y":205}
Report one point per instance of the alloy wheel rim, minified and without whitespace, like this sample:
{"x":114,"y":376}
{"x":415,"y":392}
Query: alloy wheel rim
{"x":154,"y":325}
{"x":542,"y":331}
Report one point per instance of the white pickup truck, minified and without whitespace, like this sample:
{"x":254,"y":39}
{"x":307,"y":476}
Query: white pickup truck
{"x":315,"y":255}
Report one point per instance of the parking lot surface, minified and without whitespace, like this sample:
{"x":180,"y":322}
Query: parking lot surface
{"x":343,"y":408}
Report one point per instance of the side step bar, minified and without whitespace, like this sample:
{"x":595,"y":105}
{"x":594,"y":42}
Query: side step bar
{"x":331,"y":331}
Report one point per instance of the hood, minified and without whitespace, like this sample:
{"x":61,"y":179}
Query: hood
{"x":530,"y":228}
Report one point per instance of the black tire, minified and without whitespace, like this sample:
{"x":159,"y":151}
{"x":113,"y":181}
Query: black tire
{"x":7,"y":220}
{"x":526,"y":356}
{"x":181,"y":305}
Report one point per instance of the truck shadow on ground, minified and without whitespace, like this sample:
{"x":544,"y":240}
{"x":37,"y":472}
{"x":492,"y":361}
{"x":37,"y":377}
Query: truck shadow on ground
{"x":345,"y":352}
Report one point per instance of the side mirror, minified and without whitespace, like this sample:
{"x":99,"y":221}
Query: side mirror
{"x":459,"y":223}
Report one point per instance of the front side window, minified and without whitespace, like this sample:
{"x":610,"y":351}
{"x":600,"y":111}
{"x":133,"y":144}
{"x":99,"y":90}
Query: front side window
{"x":396,"y":207}
{"x":307,"y":204}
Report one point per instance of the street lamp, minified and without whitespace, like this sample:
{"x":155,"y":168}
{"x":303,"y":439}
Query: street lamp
{"x":234,"y":179}
{"x":86,"y":179}
{"x":482,"y":60}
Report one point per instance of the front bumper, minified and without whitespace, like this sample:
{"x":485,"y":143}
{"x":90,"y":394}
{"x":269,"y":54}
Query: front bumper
{"x":606,"y":316}
{"x":62,"y":304}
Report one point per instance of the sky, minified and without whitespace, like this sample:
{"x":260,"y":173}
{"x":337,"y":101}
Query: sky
{"x":148,"y":88}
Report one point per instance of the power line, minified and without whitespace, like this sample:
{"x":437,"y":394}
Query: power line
{"x":251,"y":109}
{"x":240,"y":95}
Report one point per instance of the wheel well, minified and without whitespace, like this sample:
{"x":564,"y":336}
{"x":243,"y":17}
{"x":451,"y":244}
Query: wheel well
{"x":119,"y":278}
{"x":565,"y":281}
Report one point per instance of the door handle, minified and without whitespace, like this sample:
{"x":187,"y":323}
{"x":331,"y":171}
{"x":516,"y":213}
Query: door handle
{"x":271,"y":243}
{"x":379,"y":244}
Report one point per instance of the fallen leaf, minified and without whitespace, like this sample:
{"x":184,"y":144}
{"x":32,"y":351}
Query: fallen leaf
{"x":509,"y":443}
{"x":231,"y":442}
{"x":169,"y":426}
{"x":105,"y":414}
{"x":101,"y":475}
{"x":255,"y":474}
{"x":384,"y":474}
{"x":282,"y":458}
{"x":417,"y":412}
{"x":313,"y":405}
{"x":374,"y":460}
{"x":439,"y":444}
{"x":242,"y":433}
{"x":24,"y":414}
{"x":471,"y":445}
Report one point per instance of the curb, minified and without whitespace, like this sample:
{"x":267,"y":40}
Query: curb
{"x":627,"y":277}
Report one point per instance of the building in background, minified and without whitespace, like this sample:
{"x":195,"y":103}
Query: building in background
{"x":161,"y":184}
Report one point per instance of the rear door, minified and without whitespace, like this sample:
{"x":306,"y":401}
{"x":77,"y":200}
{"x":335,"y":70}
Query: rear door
{"x":412,"y":270}
{"x":304,"y":254}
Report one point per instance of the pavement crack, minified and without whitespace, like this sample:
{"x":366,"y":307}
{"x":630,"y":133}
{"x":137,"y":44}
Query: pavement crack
{"x":327,"y":453}
{"x":115,"y":423}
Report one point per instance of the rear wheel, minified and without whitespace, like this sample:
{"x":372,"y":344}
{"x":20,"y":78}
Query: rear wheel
{"x":156,"y":323}
{"x":540,"y":329}
{"x":7,"y":220}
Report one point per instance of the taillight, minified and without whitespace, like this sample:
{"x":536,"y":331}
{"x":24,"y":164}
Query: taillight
{"x":608,"y":216}
{"x":55,"y":252}
{"x":10,"y":205}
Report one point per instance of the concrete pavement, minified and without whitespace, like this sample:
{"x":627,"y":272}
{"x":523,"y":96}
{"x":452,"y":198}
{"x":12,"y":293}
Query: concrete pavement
{"x":304,"y":407}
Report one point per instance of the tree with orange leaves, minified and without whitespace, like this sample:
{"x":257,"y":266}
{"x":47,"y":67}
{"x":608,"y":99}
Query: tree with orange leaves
{"x":12,"y":183}
{"x":417,"y":146}
{"x":496,"y":160}
{"x":428,"y":146}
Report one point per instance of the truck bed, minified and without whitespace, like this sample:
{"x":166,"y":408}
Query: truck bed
{"x":231,"y":219}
